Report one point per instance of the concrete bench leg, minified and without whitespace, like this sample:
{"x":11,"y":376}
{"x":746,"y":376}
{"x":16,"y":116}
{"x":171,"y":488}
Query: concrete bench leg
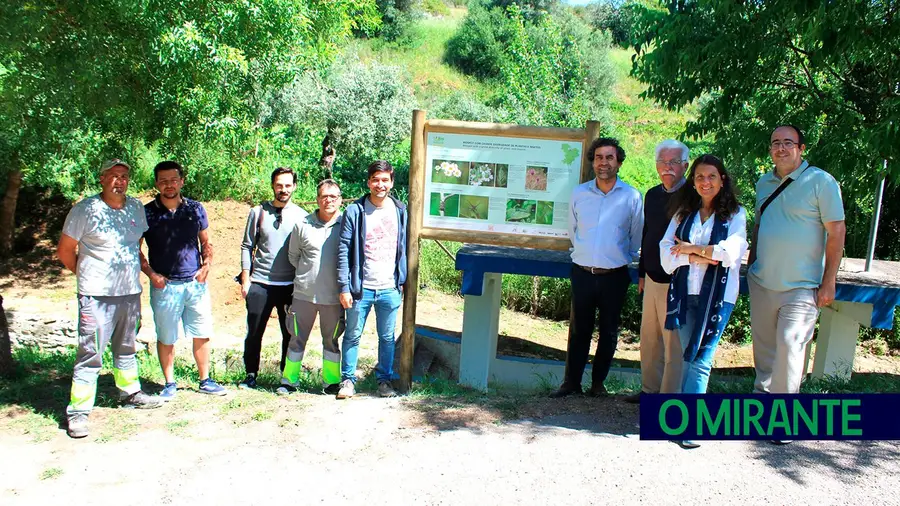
{"x":481,"y":323}
{"x":838,"y":332}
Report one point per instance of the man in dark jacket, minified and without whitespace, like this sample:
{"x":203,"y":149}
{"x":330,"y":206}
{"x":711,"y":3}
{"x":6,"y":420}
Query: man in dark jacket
{"x":371,"y":272}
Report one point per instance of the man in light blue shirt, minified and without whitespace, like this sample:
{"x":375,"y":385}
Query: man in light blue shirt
{"x":605,"y":225}
{"x":798,"y":240}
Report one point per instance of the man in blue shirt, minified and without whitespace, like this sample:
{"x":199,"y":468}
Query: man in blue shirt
{"x":180,"y":256}
{"x":605,"y":225}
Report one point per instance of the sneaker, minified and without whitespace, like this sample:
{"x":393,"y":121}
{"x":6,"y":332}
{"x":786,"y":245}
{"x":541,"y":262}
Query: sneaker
{"x":285,"y":390}
{"x":347,"y":390}
{"x":782,"y":442}
{"x":78,"y":426}
{"x":168,"y":392}
{"x":249,"y":381}
{"x":386,"y":390}
{"x":331,"y":389}
{"x":208,"y":386}
{"x":140,"y":400}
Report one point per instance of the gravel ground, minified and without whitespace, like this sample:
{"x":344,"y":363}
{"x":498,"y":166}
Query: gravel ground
{"x":370,"y":450}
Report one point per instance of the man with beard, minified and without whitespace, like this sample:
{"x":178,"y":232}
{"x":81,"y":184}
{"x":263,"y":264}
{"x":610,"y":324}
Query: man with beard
{"x":180,"y":257}
{"x":267,"y":276}
{"x":371,"y":273}
{"x":605,"y":224}
{"x":100,"y":244}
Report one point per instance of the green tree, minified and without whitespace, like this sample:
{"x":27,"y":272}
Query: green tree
{"x":109,"y":73}
{"x":830,"y":67}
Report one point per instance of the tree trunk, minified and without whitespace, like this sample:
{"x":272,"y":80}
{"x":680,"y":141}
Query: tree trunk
{"x":8,"y":211}
{"x":6,"y":362}
{"x":326,"y":161}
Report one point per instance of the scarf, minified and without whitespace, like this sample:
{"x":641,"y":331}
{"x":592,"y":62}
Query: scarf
{"x":712,"y":291}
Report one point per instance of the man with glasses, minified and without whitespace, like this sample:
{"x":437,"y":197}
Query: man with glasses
{"x":798,"y":242}
{"x":313,"y":251}
{"x":100,"y":245}
{"x":180,"y":256}
{"x":661,"y":353}
{"x":267,"y":276}
{"x":605,"y":223}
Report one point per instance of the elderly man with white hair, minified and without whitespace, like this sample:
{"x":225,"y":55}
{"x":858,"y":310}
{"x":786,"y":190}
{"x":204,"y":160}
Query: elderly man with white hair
{"x":661,"y":362}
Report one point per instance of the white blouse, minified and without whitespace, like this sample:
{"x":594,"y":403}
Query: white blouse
{"x":728,"y":252}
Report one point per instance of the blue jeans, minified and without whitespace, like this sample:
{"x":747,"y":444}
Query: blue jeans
{"x":386,"y":303}
{"x":695,"y":375}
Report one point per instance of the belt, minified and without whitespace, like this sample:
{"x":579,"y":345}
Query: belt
{"x":599,"y":271}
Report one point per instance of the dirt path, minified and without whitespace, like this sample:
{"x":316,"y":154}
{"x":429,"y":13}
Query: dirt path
{"x":314,"y":450}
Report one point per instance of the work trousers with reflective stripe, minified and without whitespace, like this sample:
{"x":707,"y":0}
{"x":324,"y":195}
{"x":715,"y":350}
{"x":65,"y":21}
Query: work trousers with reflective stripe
{"x":301,"y":317}
{"x":101,"y":321}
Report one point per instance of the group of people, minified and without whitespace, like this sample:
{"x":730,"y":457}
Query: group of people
{"x":333,"y":265}
{"x":689,"y":237}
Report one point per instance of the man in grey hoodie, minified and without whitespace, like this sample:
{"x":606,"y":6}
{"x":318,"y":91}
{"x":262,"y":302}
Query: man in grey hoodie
{"x":267,"y":276}
{"x":313,"y":251}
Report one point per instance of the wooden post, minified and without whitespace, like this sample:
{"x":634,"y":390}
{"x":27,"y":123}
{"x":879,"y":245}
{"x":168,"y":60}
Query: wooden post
{"x":591,"y":132}
{"x":416,"y":208}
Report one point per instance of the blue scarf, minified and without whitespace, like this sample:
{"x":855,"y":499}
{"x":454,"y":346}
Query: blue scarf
{"x":712,"y":291}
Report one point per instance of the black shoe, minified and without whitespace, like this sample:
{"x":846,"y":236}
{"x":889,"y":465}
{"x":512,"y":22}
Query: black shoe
{"x":566,"y":390}
{"x":781,"y":442}
{"x":332,"y":389}
{"x":687,"y":444}
{"x":598,"y":391}
{"x":249,"y":381}
{"x":634,"y":398}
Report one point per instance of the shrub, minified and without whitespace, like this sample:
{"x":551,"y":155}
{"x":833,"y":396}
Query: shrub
{"x":477,"y":48}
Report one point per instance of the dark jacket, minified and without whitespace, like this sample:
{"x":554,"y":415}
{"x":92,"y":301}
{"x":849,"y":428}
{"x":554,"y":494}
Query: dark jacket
{"x":352,"y":247}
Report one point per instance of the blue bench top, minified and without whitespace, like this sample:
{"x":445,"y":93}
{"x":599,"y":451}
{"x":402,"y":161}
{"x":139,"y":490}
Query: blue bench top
{"x":881,"y":287}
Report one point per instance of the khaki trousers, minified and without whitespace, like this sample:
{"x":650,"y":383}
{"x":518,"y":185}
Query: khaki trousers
{"x":661,"y":350}
{"x":783,"y":325}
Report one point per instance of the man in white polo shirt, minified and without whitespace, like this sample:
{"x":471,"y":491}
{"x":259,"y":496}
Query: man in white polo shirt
{"x":605,"y":225}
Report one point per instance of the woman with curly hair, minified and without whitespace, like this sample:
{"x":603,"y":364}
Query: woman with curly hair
{"x":702,"y":249}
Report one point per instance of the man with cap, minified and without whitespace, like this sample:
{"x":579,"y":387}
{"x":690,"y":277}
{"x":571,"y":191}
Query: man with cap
{"x":100,"y":244}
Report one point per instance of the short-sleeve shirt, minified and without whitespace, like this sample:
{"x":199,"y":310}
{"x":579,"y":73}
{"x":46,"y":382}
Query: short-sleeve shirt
{"x":382,"y":232}
{"x":790,"y":250}
{"x":172,"y":238}
{"x":108,"y":246}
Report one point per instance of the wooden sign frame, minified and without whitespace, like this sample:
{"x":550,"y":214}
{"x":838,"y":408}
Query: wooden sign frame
{"x":417,"y":170}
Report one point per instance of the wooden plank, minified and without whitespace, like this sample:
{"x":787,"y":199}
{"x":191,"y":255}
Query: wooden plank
{"x":591,"y":132}
{"x":416,"y":208}
{"x":504,"y":130}
{"x":496,"y":239}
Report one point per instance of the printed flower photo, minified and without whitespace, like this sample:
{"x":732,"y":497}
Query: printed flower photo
{"x":481,"y":174}
{"x":536,"y":178}
{"x":473,"y":207}
{"x":444,"y":204}
{"x":449,"y":171}
{"x":501,"y":172}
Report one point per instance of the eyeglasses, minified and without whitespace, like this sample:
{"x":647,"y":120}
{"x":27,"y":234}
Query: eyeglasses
{"x":783,"y":144}
{"x":671,"y":163}
{"x":326,"y":198}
